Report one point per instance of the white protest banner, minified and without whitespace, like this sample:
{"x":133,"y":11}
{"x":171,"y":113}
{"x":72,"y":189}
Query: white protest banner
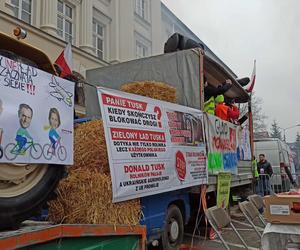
{"x":36,"y":115}
{"x":222,"y":145}
{"x":153,"y":146}
{"x":243,"y":147}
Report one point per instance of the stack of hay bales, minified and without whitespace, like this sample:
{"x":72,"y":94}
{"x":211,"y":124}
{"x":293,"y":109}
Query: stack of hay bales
{"x":153,"y":89}
{"x":85,"y":196}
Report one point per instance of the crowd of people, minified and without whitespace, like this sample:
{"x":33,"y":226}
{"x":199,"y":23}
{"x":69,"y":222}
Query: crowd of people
{"x":219,"y":105}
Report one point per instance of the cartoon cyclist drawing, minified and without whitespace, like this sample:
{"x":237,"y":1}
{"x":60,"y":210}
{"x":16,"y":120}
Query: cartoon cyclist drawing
{"x":54,"y":148}
{"x":24,"y":140}
{"x":25,"y":113}
{"x":54,"y":122}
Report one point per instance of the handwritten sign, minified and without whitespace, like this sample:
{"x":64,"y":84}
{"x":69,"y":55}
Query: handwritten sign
{"x":223,"y":189}
{"x":36,"y":115}
{"x":222,"y":145}
{"x":153,"y":146}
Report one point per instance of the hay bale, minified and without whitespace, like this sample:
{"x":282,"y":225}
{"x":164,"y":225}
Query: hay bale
{"x":90,"y":148}
{"x":153,"y":89}
{"x":85,"y":197}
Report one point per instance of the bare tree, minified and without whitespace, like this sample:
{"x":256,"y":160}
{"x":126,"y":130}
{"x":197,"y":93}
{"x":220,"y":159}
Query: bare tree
{"x":275,"y":130}
{"x":259,"y":117}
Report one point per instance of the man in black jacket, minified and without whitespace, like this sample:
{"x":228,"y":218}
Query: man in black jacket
{"x":265,"y":171}
{"x":210,"y":90}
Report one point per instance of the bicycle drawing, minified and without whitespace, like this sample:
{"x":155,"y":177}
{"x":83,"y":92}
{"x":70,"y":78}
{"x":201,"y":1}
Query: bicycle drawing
{"x":12,"y":150}
{"x":60,"y":151}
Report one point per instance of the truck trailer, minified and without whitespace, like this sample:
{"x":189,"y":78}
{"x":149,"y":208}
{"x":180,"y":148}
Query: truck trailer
{"x":26,"y":188}
{"x":166,"y":214}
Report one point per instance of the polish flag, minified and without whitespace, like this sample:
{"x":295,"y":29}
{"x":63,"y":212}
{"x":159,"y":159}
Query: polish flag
{"x":65,"y":61}
{"x":253,"y":78}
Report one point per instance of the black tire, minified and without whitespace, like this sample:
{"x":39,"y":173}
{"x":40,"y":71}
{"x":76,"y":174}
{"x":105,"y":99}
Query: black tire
{"x":14,"y":210}
{"x":173,"y":216}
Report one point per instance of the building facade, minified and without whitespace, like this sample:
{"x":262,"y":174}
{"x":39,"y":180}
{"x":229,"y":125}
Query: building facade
{"x":101,"y":31}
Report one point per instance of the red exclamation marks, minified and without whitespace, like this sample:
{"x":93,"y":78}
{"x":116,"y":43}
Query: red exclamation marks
{"x":30,"y":88}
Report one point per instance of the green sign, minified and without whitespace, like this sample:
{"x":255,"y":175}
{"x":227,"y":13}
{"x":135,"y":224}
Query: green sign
{"x":223,"y":189}
{"x":215,"y":162}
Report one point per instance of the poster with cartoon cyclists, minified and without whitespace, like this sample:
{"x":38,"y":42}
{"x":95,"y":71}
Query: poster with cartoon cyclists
{"x":36,"y":115}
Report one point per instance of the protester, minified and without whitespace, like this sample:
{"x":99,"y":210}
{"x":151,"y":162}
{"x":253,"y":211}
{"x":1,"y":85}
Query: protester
{"x":289,"y":174}
{"x":255,"y":173}
{"x":210,"y":93}
{"x":254,"y":168}
{"x":265,"y":171}
{"x":221,"y":109}
{"x":233,"y":112}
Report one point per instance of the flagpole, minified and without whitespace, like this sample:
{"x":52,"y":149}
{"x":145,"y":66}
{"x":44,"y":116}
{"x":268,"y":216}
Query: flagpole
{"x":251,"y":132}
{"x":250,"y":114}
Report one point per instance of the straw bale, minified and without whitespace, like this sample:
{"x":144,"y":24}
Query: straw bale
{"x":89,"y":147}
{"x":153,"y":89}
{"x":85,"y":197}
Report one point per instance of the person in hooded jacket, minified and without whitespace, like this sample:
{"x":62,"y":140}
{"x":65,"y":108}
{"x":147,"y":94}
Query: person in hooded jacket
{"x":221,"y":109}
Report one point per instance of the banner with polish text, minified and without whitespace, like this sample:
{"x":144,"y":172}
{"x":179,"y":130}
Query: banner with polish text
{"x":223,"y":147}
{"x":36,"y":115}
{"x":153,"y":146}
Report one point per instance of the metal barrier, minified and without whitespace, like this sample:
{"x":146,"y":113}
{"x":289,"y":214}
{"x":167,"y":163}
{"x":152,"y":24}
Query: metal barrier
{"x":277,"y":183}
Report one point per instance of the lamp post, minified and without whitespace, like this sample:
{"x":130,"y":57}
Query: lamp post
{"x":284,"y":129}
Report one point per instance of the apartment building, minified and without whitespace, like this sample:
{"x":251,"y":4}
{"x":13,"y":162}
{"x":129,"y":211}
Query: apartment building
{"x":101,"y":31}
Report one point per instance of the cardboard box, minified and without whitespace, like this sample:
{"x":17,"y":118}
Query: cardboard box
{"x":282,"y":209}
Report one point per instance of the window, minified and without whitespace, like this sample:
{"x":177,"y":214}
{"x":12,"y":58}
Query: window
{"x":22,"y":9}
{"x":141,"y":8}
{"x":141,"y":50}
{"x":98,"y":38}
{"x":65,"y":23}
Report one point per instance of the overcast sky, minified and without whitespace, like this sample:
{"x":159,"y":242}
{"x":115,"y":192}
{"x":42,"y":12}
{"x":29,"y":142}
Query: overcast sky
{"x":239,"y":31}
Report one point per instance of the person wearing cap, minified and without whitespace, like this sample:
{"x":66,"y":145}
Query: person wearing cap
{"x":221,"y":109}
